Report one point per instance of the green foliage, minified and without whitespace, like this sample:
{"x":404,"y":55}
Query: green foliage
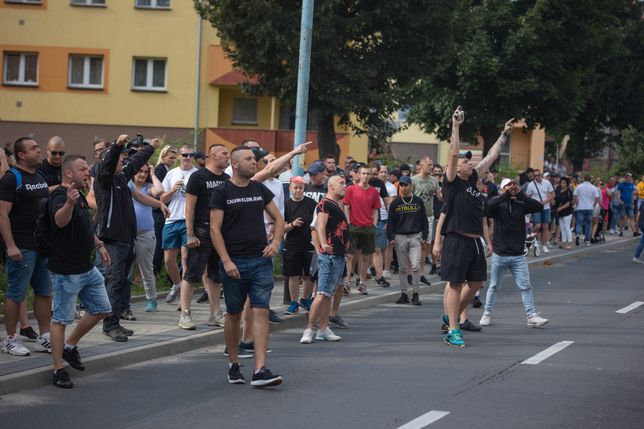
{"x":631,"y":151}
{"x":506,"y":171}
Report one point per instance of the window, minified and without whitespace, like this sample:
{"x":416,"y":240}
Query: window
{"x":153,"y":4}
{"x":21,"y":68}
{"x":149,"y":74}
{"x":85,"y":71}
{"x":24,"y":1}
{"x":245,"y":111}
{"x":88,"y":2}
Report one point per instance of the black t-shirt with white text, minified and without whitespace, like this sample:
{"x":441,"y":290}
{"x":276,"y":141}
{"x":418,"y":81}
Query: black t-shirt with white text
{"x":464,"y":206}
{"x":52,"y":174}
{"x":316,"y":193}
{"x":243,"y":225}
{"x":74,"y":243}
{"x":26,"y":203}
{"x":337,"y":227}
{"x":201,"y":184}
{"x":299,"y":238}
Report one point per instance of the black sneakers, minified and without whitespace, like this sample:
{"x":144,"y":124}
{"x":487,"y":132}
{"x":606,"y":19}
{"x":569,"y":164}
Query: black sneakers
{"x":434,"y":269}
{"x":235,"y":376}
{"x":72,"y":357}
{"x":29,"y":333}
{"x":404,"y":299}
{"x":116,"y":335}
{"x":415,"y":300}
{"x":424,"y":280}
{"x":476,"y":302}
{"x":273,"y":318}
{"x":125,"y":331}
{"x":382,"y":282}
{"x":264,"y":378}
{"x":61,"y":379}
{"x":469,"y":326}
{"x":203,"y":298}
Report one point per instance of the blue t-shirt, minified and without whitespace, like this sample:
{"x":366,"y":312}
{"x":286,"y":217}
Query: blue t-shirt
{"x":626,"y":189}
{"x":144,"y":219}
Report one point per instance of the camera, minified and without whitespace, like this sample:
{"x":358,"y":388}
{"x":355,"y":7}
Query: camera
{"x":137,"y":141}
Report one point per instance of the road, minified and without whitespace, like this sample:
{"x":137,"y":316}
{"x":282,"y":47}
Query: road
{"x":391,"y":368}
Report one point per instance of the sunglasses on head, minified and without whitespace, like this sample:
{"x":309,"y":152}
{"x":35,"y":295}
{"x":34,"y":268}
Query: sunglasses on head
{"x":188,"y":155}
{"x":58,"y":153}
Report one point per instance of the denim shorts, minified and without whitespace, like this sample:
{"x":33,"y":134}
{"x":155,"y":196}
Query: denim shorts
{"x":31,"y":269}
{"x":542,"y":217}
{"x":626,"y":210}
{"x":256,"y":282}
{"x":89,"y":287}
{"x":174,"y":235}
{"x":381,"y":236}
{"x":330,"y":270}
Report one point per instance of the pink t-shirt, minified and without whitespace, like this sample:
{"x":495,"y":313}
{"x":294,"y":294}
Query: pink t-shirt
{"x":361,"y":203}
{"x":604,"y":203}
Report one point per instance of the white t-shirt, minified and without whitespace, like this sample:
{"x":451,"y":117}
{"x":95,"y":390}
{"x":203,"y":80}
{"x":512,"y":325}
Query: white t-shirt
{"x":177,"y":205}
{"x":586,"y":193}
{"x":391,"y":189}
{"x":229,"y":170}
{"x":545,"y":187}
{"x":276,"y":187}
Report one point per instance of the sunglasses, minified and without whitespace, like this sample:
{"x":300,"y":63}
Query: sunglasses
{"x":57,"y":153}
{"x":188,"y":155}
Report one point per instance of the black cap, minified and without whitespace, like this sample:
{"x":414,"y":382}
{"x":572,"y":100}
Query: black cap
{"x":259,"y":153}
{"x":467,"y":155}
{"x":200,"y":155}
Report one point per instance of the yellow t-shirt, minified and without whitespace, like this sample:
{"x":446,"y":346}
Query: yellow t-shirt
{"x":640,"y":190}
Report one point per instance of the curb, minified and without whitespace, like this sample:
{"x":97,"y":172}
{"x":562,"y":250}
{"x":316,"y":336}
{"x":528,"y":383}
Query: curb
{"x":38,"y":377}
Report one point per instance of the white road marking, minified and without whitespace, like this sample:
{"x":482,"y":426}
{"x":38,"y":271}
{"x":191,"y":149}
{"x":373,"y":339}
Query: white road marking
{"x":628,"y":308}
{"x":424,"y":420}
{"x":541,"y":356}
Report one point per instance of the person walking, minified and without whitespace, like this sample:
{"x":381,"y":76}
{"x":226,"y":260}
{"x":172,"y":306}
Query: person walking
{"x":586,"y":198}
{"x":564,"y":211}
{"x":508,"y":211}
{"x":166,"y":162}
{"x":542,"y":191}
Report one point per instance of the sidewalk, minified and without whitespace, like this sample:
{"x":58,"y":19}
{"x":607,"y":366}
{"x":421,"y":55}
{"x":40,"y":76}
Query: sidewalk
{"x":157,"y":335}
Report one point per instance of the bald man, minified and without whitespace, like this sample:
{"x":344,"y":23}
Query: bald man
{"x":51,"y":167}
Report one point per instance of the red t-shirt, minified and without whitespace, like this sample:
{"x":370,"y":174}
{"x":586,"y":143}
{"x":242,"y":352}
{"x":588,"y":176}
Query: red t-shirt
{"x":361,"y":203}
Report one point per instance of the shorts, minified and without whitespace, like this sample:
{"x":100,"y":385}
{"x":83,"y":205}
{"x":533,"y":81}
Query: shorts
{"x":200,"y":259}
{"x":89,"y":287}
{"x":174,"y":235}
{"x":296,"y":262}
{"x":640,"y":203}
{"x":256,"y":282}
{"x":463,"y":259}
{"x":626,"y":210}
{"x":32,"y":269}
{"x":381,"y":236}
{"x":363,"y":238}
{"x":542,"y":217}
{"x":330,"y":270}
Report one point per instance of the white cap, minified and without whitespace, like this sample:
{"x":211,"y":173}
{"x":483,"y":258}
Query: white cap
{"x":505,"y":182}
{"x":546,"y":174}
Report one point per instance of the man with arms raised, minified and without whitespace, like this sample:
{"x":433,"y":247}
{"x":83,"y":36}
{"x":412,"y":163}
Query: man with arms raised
{"x":237,"y":231}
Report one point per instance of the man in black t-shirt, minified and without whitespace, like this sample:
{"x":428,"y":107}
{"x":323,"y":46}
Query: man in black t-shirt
{"x":238,"y":234}
{"x":298,"y":250}
{"x":316,"y":189}
{"x":51,"y":167}
{"x":21,"y":190}
{"x":73,"y":273}
{"x":332,"y":229}
{"x":462,"y":252}
{"x":201,"y":255}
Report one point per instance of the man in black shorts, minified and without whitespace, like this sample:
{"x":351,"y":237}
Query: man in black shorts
{"x":201,"y":254}
{"x":238,"y":234}
{"x":298,"y":250}
{"x":463,"y":253}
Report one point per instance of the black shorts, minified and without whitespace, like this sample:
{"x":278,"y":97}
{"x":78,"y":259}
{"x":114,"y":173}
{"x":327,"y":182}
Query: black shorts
{"x":296,"y":263}
{"x":463,"y":259}
{"x":200,"y":258}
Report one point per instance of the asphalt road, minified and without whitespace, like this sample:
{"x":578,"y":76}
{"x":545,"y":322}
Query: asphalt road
{"x":392,"y":368}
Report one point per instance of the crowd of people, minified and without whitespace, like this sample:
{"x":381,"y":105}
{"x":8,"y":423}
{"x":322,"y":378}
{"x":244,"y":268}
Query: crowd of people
{"x":223,"y":220}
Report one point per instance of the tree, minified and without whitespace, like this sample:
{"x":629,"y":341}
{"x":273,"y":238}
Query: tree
{"x":365,"y":53}
{"x":631,"y":151}
{"x":537,"y":60}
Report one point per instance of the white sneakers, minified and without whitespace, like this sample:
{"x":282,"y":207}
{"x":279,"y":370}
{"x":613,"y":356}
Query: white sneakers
{"x":42,"y":343}
{"x":13,"y":346}
{"x":386,"y":274}
{"x":536,"y":320}
{"x":185,"y":321}
{"x":485,"y":319}
{"x":217,"y":319}
{"x":545,"y":249}
{"x":326,"y":335}
{"x":637,"y":260}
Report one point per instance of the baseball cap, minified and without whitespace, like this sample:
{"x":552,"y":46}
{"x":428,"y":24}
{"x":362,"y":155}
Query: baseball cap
{"x":405,"y":179}
{"x":628,"y":174}
{"x":467,"y":155}
{"x":546,"y":174}
{"x":259,"y":153}
{"x":505,"y":182}
{"x":316,"y":168}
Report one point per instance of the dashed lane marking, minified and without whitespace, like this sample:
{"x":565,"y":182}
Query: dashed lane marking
{"x":541,"y":356}
{"x":628,"y":308}
{"x":425,"y":420}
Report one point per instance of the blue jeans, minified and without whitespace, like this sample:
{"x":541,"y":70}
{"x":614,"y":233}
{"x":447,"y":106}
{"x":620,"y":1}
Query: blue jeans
{"x":116,"y":282}
{"x":89,"y":287}
{"x":615,"y":216}
{"x":255,"y":281}
{"x":32,"y":269}
{"x":330,"y":269}
{"x":640,"y":247}
{"x":519,"y":268}
{"x":585,"y":221}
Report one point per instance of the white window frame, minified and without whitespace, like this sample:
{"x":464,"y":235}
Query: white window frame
{"x":86,"y":70}
{"x":236,"y":121}
{"x":149,"y":77}
{"x":21,"y":69}
{"x":90,"y":3}
{"x":153,"y":5}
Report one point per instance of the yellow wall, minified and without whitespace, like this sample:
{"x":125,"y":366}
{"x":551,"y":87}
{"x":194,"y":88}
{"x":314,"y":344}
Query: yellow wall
{"x":414,"y":134}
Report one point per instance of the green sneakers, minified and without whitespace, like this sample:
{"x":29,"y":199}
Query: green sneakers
{"x":454,"y":338}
